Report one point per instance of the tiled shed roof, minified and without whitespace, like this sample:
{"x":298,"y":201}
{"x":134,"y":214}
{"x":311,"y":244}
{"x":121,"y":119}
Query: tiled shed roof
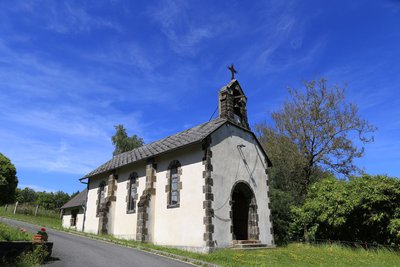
{"x":187,"y":137}
{"x":77,"y":201}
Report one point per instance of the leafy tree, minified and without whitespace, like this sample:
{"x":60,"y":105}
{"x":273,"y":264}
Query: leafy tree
{"x":122,"y":142}
{"x":8,"y":180}
{"x":26,"y":195}
{"x":45,"y":200}
{"x":286,"y":176}
{"x":361,"y":209}
{"x":323,"y":127}
{"x":60,"y":198}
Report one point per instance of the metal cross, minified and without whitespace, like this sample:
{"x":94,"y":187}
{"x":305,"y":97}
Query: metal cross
{"x":233,"y":71}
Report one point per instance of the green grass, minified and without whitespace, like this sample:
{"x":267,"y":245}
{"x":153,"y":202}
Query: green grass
{"x":291,"y":255}
{"x":31,"y":259}
{"x":43,"y":221}
{"x":9,"y":233}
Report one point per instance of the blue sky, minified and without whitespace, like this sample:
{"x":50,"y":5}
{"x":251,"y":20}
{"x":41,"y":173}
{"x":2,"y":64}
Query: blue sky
{"x":71,"y":70}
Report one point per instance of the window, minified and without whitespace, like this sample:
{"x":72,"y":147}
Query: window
{"x":101,"y":197}
{"x":132,"y":193}
{"x":174,"y":185}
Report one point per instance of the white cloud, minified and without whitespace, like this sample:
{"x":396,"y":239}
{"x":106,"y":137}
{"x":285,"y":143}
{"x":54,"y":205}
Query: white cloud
{"x":185,"y":29}
{"x":37,"y":188}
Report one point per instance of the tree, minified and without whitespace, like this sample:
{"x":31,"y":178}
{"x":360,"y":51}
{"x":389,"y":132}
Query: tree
{"x":60,"y":198}
{"x":26,"y":195}
{"x":8,"y":180}
{"x":360,"y":209}
{"x":286,"y":176}
{"x":324,"y":128}
{"x":122,"y":142}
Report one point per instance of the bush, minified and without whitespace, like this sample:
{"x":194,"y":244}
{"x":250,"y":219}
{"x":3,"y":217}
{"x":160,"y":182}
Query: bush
{"x":361,"y":209}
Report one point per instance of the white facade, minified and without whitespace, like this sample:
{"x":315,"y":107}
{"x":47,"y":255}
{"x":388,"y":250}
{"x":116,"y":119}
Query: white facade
{"x":201,"y":189}
{"x":184,"y":226}
{"x":73,"y":222}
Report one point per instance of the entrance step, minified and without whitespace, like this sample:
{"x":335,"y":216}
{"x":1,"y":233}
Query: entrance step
{"x":247,"y":244}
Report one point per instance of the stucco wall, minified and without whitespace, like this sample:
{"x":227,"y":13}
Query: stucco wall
{"x":229,"y":168}
{"x":92,"y":221}
{"x":181,"y":226}
{"x":124,"y":224}
{"x":66,"y":219}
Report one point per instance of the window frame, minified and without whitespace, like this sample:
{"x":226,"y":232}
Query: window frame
{"x":131,"y":201}
{"x":174,"y":184}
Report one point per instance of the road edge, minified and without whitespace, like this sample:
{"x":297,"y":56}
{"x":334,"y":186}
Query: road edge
{"x":169,"y":255}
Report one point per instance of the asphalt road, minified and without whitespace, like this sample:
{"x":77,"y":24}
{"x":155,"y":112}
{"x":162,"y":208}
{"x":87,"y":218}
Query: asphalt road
{"x":74,"y":250}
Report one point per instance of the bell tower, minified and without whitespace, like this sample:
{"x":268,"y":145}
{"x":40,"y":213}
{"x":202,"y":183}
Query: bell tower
{"x":232,"y":104}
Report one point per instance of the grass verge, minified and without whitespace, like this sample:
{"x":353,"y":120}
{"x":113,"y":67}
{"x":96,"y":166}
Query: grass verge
{"x":31,"y":259}
{"x":291,"y":255}
{"x":8,"y":233}
{"x":42,"y":221}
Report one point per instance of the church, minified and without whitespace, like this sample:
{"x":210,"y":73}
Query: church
{"x":200,"y":189}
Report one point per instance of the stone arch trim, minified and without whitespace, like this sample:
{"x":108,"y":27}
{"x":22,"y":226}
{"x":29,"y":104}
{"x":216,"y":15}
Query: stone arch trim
{"x":173,"y":164}
{"x":253,"y":229}
{"x":132,"y":176}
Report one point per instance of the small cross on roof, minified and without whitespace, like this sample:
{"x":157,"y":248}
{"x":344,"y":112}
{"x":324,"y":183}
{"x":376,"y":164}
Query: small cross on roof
{"x":233,"y":71}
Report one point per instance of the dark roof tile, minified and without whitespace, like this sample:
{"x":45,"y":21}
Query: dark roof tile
{"x":77,"y":201}
{"x":187,"y":137}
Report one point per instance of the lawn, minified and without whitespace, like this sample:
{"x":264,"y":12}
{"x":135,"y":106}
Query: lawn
{"x":292,"y":255}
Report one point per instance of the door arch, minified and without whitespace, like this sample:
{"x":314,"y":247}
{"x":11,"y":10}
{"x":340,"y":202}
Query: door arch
{"x":244,"y":217}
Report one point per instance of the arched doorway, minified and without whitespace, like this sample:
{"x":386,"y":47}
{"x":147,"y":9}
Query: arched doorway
{"x":244,"y":213}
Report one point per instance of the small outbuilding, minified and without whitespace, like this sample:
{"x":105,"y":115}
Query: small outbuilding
{"x":73,"y":212}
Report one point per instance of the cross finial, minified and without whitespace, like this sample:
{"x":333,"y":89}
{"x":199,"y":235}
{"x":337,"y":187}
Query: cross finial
{"x":233,"y":71}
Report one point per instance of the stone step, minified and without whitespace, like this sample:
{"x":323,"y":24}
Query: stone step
{"x":246,"y":242}
{"x":242,"y":246}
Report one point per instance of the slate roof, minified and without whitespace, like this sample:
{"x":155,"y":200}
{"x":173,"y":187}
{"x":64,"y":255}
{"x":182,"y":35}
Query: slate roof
{"x":187,"y":137}
{"x":77,"y":201}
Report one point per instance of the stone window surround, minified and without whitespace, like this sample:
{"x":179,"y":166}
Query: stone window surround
{"x":132,"y":176}
{"x":168,"y":187}
{"x":102,"y":185}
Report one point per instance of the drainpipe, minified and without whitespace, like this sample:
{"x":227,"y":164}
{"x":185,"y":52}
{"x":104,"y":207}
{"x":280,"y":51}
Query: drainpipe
{"x":84,"y":206}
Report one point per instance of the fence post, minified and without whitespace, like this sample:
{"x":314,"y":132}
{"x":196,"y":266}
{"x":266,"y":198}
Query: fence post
{"x":5,"y":208}
{"x":16,"y":205}
{"x":37,"y":206}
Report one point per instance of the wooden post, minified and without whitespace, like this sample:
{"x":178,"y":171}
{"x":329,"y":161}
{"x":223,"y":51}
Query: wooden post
{"x":16,"y":205}
{"x":37,"y":206}
{"x":61,"y":213}
{"x":5,"y":208}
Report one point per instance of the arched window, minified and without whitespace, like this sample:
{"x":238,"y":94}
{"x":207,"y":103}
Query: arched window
{"x":101,"y":197}
{"x":132,"y":193}
{"x":174,"y":184}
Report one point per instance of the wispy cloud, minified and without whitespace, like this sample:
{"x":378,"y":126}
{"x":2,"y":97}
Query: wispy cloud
{"x":186,"y":34}
{"x":281,"y":33}
{"x":64,"y":17}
